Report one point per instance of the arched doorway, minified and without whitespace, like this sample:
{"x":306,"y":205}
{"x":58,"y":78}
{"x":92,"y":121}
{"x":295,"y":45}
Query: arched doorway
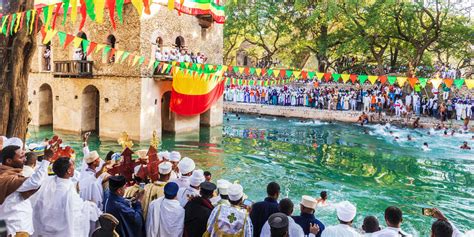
{"x":90,"y":109}
{"x":179,"y":42}
{"x":167,"y":116}
{"x":45,"y":95}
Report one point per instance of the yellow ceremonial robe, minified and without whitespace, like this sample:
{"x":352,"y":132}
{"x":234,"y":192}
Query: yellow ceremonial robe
{"x":152,"y":192}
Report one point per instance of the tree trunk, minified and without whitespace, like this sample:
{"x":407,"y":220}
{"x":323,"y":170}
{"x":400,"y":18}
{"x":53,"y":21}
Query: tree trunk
{"x":14,"y":70}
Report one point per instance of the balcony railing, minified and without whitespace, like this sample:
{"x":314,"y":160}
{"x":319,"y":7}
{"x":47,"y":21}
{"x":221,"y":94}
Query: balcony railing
{"x":73,"y":68}
{"x":158,"y":75}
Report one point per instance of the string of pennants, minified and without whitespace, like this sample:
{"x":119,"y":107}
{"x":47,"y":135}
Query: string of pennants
{"x":94,"y":9}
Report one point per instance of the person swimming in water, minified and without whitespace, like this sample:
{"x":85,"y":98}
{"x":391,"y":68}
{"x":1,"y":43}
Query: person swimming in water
{"x":409,"y":137}
{"x":465,"y":146}
{"x":445,"y":133}
{"x":425,"y":147}
{"x":363,"y":119}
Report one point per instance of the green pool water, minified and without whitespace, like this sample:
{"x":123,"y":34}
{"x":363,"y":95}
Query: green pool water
{"x":361,"y":164}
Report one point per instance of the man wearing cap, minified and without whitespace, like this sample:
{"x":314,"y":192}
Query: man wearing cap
{"x":230,"y":220}
{"x":278,"y":223}
{"x":175,"y":158}
{"x":262,"y":210}
{"x":184,"y":194}
{"x":222,"y":189}
{"x":186,"y":167}
{"x":165,"y":215}
{"x":393,"y":219}
{"x":307,"y":219}
{"x":90,"y":181}
{"x":15,"y":205}
{"x":198,"y":210}
{"x":345,"y":213}
{"x":59,"y":210}
{"x":129,"y":213}
{"x":294,"y":230}
{"x":156,"y":189}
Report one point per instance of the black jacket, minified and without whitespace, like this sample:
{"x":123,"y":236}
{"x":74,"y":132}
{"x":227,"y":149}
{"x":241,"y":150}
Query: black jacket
{"x":196,"y":214}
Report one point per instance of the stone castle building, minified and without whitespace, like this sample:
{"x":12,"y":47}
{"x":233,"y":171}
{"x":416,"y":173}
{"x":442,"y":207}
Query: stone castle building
{"x":97,"y":94}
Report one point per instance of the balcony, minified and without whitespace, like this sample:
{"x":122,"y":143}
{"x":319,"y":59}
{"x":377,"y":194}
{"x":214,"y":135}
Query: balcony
{"x":159,"y":76}
{"x":73,"y":68}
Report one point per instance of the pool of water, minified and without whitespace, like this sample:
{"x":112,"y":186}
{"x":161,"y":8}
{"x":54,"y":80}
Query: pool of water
{"x":364,"y":165}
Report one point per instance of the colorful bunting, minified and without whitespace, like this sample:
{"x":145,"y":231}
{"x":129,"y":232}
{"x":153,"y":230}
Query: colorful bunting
{"x":436,"y":82}
{"x":448,"y":82}
{"x":469,"y":83}
{"x":362,"y":78}
{"x":392,"y":79}
{"x":423,"y":81}
{"x":345,"y":77}
{"x":336,"y":76}
{"x":412,"y":81}
{"x":373,"y":79}
{"x":459,"y":82}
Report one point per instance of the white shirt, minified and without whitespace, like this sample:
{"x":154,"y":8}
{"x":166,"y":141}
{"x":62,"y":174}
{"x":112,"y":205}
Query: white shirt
{"x":340,"y":230}
{"x":294,"y":230}
{"x":165,"y":218}
{"x":18,"y":212}
{"x":28,"y":171}
{"x":90,"y":187}
{"x":183,"y":181}
{"x":62,"y":211}
{"x":185,"y":193}
{"x":389,"y":232}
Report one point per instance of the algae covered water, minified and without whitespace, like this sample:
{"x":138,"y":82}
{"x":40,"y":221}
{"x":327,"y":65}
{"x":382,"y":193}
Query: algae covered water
{"x":364,"y":165}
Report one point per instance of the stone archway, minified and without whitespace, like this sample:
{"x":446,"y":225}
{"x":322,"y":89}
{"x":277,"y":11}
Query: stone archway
{"x":90,"y":109}
{"x":45,"y":96}
{"x":167,"y":116}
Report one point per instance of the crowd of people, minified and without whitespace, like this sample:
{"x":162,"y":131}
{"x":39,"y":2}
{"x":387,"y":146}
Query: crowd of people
{"x":179,"y":55}
{"x":181,"y":201}
{"x":390,"y":100}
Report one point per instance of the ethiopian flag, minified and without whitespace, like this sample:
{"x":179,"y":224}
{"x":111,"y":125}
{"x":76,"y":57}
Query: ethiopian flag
{"x":201,"y":7}
{"x":193,"y":94}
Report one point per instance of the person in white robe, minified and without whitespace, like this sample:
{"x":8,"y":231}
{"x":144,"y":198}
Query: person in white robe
{"x":345,"y":213}
{"x":186,"y":193}
{"x":174,"y":158}
{"x":186,"y":167}
{"x":59,"y":210}
{"x":165,"y":214}
{"x":16,"y":210}
{"x":90,"y":182}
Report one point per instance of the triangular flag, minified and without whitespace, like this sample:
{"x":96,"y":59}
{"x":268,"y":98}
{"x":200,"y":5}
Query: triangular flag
{"x":288,"y":73}
{"x":319,"y":75}
{"x":85,"y":45}
{"x":151,"y":63}
{"x":373,"y":79}
{"x":62,"y":38}
{"x":392,"y":79}
{"x":275,"y":73}
{"x":241,"y":70}
{"x":171,"y":4}
{"x":282,"y":73}
{"x":18,"y":22}
{"x":246,"y":70}
{"x":106,"y":51}
{"x":119,"y":7}
{"x":383,"y":79}
{"x":99,"y":6}
{"x":362,"y":78}
{"x":252,"y":70}
{"x":135,"y":61}
{"x":353,"y":78}
{"x":142,"y":60}
{"x":146,"y":5}
{"x":258,"y":71}
{"x":304,"y":74}
{"x":423,"y":81}
{"x":65,"y":9}
{"x":311,"y":75}
{"x":436,"y":83}
{"x":77,"y":42}
{"x":448,"y":82}
{"x":33,"y":17}
{"x":469,"y":83}
{"x":4,"y":24}
{"x":459,"y":82}
{"x":90,"y":9}
{"x":138,"y":4}
{"x":327,"y":76}
{"x":69,"y":39}
{"x":125,"y":56}
{"x":73,"y":11}
{"x":49,"y":36}
{"x":118,"y":56}
{"x":99,"y":47}
{"x":345,"y":77}
{"x":111,"y":7}
{"x":155,"y":65}
{"x":92,"y":46}
{"x":336,"y":76}
{"x":412,"y":81}
{"x":48,"y":13}
{"x":401,"y":81}
{"x":296,"y":74}
{"x":56,"y":13}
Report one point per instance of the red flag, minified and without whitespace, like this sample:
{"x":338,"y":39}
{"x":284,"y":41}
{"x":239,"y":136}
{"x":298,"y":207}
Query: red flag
{"x":69,"y":39}
{"x":21,"y":21}
{"x":83,"y":11}
{"x":282,"y":73}
{"x":264,"y":71}
{"x":112,"y":53}
{"x":448,"y":82}
{"x":146,"y":4}
{"x":38,"y":12}
{"x":412,"y":81}
{"x":111,"y":7}
{"x":383,"y":79}
{"x":92,"y":46}
{"x":247,"y":70}
{"x":58,"y":7}
{"x":353,"y":78}
{"x":304,"y":74}
{"x":327,"y":76}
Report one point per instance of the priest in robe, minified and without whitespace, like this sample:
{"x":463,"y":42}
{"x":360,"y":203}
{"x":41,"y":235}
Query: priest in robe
{"x":16,"y":190}
{"x":186,"y":193}
{"x":186,"y":167}
{"x":165,"y":215}
{"x":90,"y":181}
{"x":156,"y":189}
{"x":128,"y":212}
{"x":58,"y":208}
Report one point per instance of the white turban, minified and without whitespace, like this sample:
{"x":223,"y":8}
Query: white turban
{"x":14,"y":141}
{"x":186,"y":165}
{"x":175,"y":156}
{"x":164,"y":155}
{"x":236,"y":192}
{"x":197,"y":178}
{"x":91,"y":157}
{"x":223,"y":186}
{"x":346,"y":211}
{"x":165,"y":167}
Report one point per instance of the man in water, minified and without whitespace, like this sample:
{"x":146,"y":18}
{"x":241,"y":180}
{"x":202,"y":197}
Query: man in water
{"x":425,"y":147}
{"x":416,"y":123}
{"x":363,"y":119}
{"x":465,"y":146}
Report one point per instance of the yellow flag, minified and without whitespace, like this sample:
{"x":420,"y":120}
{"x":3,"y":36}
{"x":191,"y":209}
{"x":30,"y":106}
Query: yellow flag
{"x":171,"y":4}
{"x":18,"y":20}
{"x":241,"y":69}
{"x":345,"y":77}
{"x":436,"y":82}
{"x":469,"y":83}
{"x":33,"y":17}
{"x":76,"y":42}
{"x":276,"y":72}
{"x":152,"y":62}
{"x":73,"y":11}
{"x":50,"y":16}
{"x":163,"y":69}
{"x":118,"y":56}
{"x":401,"y":81}
{"x":138,"y":4}
{"x":373,"y":79}
{"x":297,"y":74}
{"x":49,"y":36}
{"x":99,"y":47}
{"x":319,"y":75}
{"x":99,"y":6}
{"x":258,"y":71}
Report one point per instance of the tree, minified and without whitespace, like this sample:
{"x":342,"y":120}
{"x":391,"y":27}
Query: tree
{"x":15,"y":63}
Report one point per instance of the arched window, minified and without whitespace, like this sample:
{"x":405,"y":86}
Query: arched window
{"x":111,"y":42}
{"x":79,"y":52}
{"x":47,"y":57}
{"x":179,"y":42}
{"x":159,"y":42}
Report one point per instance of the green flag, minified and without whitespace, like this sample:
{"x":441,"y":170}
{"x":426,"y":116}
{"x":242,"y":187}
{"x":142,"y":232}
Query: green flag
{"x":142,"y":59}
{"x":62,"y":38}
{"x":106,"y":50}
{"x":85,"y":45}
{"x":336,"y":76}
{"x":422,"y":81}
{"x":393,"y":79}
{"x":13,"y":21}
{"x":28,"y":18}
{"x":90,"y":9}
{"x":311,"y":75}
{"x":236,"y":69}
{"x":363,"y":78}
{"x":289,"y":73}
{"x":459,"y":82}
{"x":4,"y":24}
{"x":65,"y":10}
{"x":119,"y":6}
{"x":125,"y":56}
{"x":252,"y":70}
{"x":269,"y":72}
